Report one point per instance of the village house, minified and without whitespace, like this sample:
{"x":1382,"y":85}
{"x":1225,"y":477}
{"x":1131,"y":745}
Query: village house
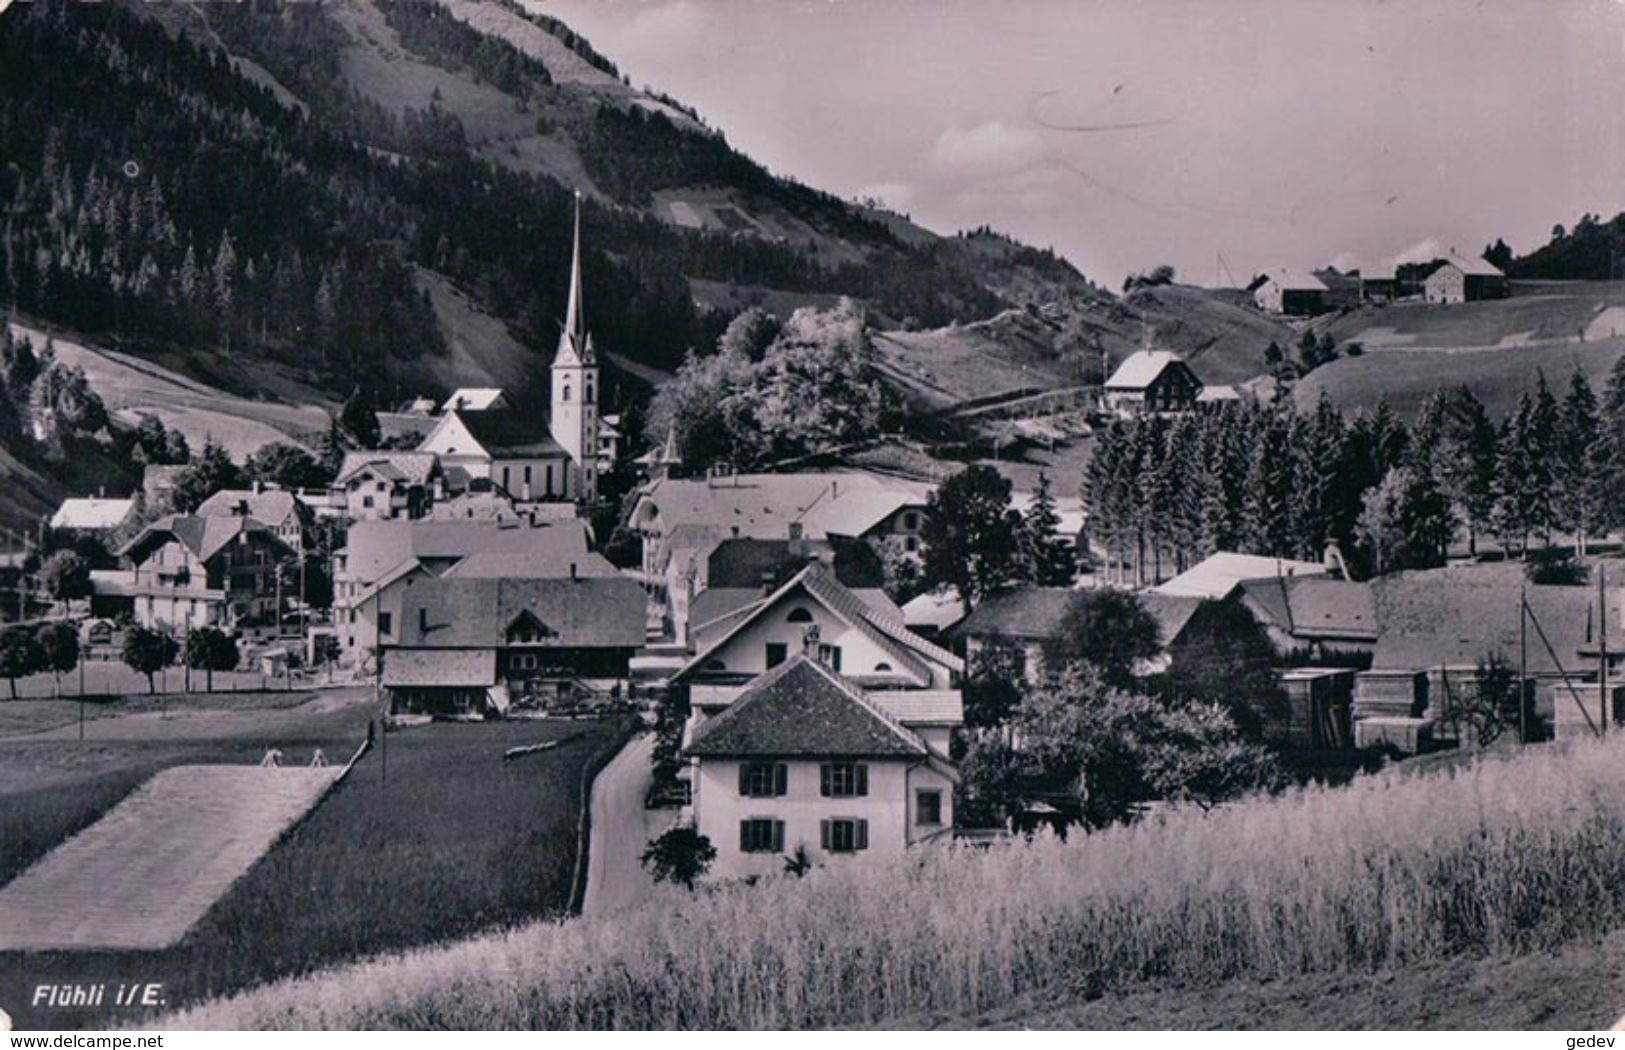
{"x":805,"y":762}
{"x":278,"y":510}
{"x":483,"y":644}
{"x":1289,"y":291}
{"x":1020,"y":622}
{"x":1151,"y":382}
{"x":193,"y":571}
{"x":381,"y":560}
{"x":818,"y":721}
{"x":532,"y":458}
{"x":1463,"y":280}
{"x":94,"y":515}
{"x":681,"y":522}
{"x":1219,"y":574}
{"x":475,"y":399}
{"x":387,"y":485}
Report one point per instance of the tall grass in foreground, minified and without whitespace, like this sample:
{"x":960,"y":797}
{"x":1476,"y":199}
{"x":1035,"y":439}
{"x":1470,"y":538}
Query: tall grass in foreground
{"x":1508,"y":855}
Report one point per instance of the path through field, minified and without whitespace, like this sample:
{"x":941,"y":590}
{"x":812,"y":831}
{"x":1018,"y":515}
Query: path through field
{"x":149,"y":869}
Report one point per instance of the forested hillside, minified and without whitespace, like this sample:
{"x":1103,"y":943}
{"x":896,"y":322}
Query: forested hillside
{"x":228,"y":190}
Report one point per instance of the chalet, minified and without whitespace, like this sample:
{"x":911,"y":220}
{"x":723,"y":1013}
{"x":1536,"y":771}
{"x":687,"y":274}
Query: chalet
{"x":1296,"y":293}
{"x":1019,"y":622}
{"x":1218,"y":397}
{"x":93,"y":514}
{"x":532,"y":457}
{"x":278,"y":510}
{"x":1151,"y":381}
{"x":387,"y":485}
{"x":806,"y":762}
{"x":482,"y":644}
{"x":382,"y":560}
{"x":1462,"y":280}
{"x":813,"y":611}
{"x":191,"y":571}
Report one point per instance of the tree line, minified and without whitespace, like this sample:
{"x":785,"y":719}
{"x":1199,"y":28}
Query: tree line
{"x":1164,"y":493}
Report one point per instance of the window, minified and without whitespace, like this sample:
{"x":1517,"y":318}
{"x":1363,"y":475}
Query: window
{"x":800,"y":614}
{"x":843,"y":779}
{"x":882,"y":666}
{"x":567,"y":391}
{"x":504,"y":477}
{"x":715,"y":665}
{"x":843,"y":835}
{"x":928,"y":808}
{"x":385,"y":623}
{"x":761,"y":835}
{"x":777,"y":653}
{"x":763,"y":779}
{"x":589,"y":390}
{"x":366,"y":501}
{"x":524,"y":661}
{"x":830,"y":657}
{"x":911,"y":544}
{"x":911,"y":521}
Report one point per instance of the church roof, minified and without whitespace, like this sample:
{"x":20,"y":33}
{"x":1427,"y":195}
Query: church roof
{"x":506,"y":433}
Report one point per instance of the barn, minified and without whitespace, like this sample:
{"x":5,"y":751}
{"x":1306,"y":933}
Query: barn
{"x":1297,"y":293}
{"x":1461,"y":280}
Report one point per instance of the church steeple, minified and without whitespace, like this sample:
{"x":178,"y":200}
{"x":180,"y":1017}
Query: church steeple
{"x":575,"y":345}
{"x":573,"y":421}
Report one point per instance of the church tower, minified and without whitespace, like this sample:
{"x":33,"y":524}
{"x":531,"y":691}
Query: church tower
{"x":574,"y":419}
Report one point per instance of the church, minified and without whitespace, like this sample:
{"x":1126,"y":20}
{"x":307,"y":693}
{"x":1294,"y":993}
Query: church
{"x":533,"y":462}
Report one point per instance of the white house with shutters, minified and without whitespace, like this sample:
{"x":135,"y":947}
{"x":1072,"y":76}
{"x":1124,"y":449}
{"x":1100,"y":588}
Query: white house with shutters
{"x":818,"y":723}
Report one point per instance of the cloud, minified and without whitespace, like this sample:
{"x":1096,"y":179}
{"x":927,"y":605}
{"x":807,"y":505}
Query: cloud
{"x":1425,"y":250}
{"x":990,"y":148}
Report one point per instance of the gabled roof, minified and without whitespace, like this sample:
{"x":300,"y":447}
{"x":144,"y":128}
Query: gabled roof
{"x":204,"y":537}
{"x":1221,"y":573}
{"x":373,"y":548}
{"x":1028,"y":613}
{"x":1472,"y":267}
{"x":1289,"y":278}
{"x":1211,"y":394}
{"x":411,"y":468}
{"x":1141,"y":368}
{"x":542,"y":564}
{"x":272,"y":506}
{"x":1379,"y":273}
{"x":92,"y":513}
{"x":506,"y":433}
{"x":588,"y":612}
{"x":474,"y":399}
{"x":801,"y":709}
{"x":882,"y":629}
{"x":463,"y":668}
{"x":939,"y":610}
{"x":844,"y":503}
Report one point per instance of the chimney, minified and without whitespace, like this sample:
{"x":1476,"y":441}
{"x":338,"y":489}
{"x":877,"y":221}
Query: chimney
{"x":259,"y":486}
{"x":241,"y":509}
{"x":835,"y":489}
{"x":573,"y":571}
{"x":767,"y":581}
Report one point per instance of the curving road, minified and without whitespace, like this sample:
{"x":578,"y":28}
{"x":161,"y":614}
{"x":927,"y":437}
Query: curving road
{"x":621,"y":827}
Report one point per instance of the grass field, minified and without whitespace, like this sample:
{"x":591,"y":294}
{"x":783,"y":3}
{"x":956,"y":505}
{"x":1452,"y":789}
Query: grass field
{"x":1503,"y":861}
{"x":455,"y":842}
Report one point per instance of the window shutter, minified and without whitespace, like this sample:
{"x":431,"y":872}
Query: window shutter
{"x":744,"y":836}
{"x":823,"y":834}
{"x":863,"y":835}
{"x":778,"y":836}
{"x":823,"y":782}
{"x":781,"y":779}
{"x":744,"y":778}
{"x":863,"y":779}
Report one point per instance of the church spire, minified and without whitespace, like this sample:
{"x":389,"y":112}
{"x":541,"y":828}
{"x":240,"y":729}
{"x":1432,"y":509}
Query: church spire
{"x":574,"y":344}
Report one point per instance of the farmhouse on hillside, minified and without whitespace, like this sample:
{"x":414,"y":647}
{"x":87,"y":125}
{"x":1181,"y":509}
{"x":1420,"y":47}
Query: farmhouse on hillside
{"x":1463,"y":280}
{"x":1289,"y":291}
{"x":1152,"y":381}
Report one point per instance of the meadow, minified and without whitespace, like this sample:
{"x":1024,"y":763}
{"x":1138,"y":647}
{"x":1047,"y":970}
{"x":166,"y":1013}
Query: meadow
{"x":449,"y":840}
{"x":1498,"y":860}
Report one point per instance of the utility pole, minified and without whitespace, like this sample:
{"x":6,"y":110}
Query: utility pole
{"x":1604,"y":708}
{"x":1523,"y":664}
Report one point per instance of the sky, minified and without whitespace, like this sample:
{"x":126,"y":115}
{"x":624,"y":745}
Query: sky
{"x":1130,"y":133}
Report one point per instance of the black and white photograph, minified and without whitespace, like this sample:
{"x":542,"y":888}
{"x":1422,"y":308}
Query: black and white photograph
{"x":787,"y":515}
